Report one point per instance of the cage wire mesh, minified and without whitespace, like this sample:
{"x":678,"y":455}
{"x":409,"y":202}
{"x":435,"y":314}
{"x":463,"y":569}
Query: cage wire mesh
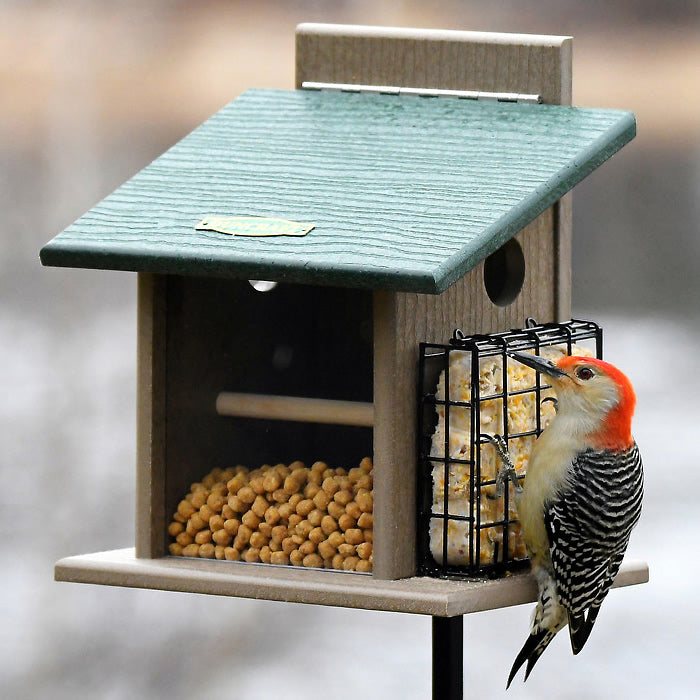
{"x":469,"y":392}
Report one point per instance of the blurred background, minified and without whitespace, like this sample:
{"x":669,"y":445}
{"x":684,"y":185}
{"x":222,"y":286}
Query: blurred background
{"x":90,"y":92}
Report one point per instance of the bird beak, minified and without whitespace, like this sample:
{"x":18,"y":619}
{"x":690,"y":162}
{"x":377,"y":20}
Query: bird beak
{"x":539,"y":364}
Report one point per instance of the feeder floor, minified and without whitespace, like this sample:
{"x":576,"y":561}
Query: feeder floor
{"x":418,"y":594}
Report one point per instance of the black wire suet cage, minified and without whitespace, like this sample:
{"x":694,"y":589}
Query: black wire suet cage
{"x":469,"y":392}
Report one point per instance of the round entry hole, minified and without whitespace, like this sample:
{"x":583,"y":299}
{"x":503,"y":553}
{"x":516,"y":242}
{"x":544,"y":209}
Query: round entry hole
{"x":504,"y":273}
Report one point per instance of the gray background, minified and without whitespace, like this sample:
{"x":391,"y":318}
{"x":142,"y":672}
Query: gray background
{"x":92,"y":91}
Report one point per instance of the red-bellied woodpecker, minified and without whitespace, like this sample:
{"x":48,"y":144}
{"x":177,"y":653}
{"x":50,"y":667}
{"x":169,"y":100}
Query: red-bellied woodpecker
{"x":580,"y":499}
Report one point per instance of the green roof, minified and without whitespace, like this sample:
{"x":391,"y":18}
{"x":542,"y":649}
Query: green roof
{"x":404,"y":193}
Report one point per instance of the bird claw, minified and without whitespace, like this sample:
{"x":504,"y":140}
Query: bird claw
{"x":553,"y":400}
{"x":507,"y":470}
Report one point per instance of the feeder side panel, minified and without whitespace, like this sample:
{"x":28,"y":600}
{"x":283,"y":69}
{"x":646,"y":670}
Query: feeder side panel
{"x":150,"y":428}
{"x":537,"y":298}
{"x":402,"y":321}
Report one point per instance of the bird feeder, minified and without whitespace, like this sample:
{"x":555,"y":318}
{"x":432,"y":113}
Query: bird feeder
{"x":295,"y":250}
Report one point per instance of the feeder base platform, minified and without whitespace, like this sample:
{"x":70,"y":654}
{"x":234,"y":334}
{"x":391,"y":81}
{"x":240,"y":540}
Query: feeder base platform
{"x":418,"y":594}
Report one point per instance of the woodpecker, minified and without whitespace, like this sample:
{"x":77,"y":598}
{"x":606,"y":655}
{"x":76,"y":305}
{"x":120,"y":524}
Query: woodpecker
{"x":580,"y":499}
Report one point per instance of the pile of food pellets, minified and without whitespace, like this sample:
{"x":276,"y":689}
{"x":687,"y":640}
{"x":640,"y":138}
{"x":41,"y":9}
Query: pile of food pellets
{"x":314,"y":516}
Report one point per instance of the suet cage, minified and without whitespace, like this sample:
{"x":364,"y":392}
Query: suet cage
{"x":469,"y":392}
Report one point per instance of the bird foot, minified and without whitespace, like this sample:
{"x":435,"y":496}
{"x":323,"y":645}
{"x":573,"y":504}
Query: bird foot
{"x":507,"y":470}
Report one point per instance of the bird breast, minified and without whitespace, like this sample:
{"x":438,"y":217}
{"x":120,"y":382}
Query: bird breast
{"x":547,"y":476}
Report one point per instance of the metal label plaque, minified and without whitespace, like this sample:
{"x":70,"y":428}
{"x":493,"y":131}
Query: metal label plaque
{"x":253,"y":226}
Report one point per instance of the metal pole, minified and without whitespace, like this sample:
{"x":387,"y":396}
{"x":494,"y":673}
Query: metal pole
{"x":448,"y":666}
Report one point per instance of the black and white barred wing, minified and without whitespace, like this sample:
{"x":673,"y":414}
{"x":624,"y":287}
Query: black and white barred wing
{"x":589,"y":528}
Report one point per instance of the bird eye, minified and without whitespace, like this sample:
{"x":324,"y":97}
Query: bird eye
{"x":584,"y":373}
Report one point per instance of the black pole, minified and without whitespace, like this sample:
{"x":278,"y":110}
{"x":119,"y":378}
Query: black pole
{"x":448,"y":666}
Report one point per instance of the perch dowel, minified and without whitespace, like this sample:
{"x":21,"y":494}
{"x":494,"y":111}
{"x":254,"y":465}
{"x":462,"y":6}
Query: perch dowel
{"x":295,"y":408}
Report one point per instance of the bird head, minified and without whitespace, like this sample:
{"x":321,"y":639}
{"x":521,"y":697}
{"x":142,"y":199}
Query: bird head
{"x":595,"y":397}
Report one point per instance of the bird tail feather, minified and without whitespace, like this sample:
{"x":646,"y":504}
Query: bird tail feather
{"x":580,"y":626}
{"x":533,"y":648}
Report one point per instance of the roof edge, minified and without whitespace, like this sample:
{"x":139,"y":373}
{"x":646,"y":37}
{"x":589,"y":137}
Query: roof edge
{"x":57,"y":253}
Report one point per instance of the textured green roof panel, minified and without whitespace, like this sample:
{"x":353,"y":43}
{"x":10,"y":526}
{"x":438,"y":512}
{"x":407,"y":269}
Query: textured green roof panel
{"x":405,"y":193}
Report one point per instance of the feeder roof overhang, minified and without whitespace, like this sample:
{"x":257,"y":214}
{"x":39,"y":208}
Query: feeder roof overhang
{"x":404,"y":193}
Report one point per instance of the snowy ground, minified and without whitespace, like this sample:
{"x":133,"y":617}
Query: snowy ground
{"x":67,"y":459}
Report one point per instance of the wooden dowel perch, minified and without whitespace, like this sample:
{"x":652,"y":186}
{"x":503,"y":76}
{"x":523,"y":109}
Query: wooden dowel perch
{"x":295,"y":408}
